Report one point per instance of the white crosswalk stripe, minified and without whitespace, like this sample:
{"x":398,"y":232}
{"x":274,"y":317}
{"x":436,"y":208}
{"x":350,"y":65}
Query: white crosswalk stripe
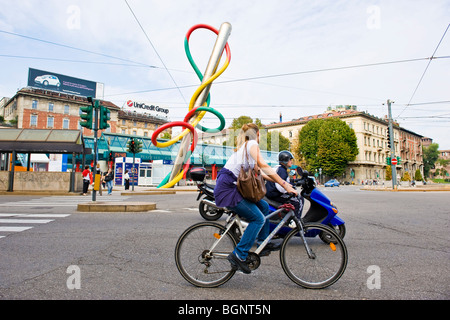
{"x":11,"y":223}
{"x":62,"y":201}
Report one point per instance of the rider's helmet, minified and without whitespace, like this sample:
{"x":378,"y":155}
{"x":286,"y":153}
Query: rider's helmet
{"x":284,"y":157}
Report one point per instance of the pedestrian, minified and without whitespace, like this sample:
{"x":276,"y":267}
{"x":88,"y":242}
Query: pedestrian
{"x":86,"y":179}
{"x":126,"y":178}
{"x":227,"y":195}
{"x":99,"y":173}
{"x":109,"y":177}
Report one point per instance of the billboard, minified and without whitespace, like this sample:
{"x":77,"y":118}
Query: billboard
{"x":143,"y":108}
{"x":61,"y":83}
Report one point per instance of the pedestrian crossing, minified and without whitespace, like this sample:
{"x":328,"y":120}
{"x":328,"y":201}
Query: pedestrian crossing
{"x":62,"y":201}
{"x":11,"y":223}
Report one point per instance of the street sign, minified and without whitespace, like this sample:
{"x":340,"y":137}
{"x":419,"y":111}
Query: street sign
{"x":394,"y":161}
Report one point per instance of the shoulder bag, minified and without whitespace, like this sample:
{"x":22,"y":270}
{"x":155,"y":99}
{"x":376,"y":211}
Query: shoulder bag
{"x":250,"y":183}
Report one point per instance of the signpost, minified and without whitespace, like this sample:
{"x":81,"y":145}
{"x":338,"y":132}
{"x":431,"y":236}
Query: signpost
{"x":394,"y":161}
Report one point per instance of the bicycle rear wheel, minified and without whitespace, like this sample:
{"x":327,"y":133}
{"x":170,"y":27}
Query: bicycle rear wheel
{"x":196,"y":263}
{"x":326,"y":264}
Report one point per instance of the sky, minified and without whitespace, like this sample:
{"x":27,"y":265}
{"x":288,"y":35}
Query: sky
{"x":290,"y":56}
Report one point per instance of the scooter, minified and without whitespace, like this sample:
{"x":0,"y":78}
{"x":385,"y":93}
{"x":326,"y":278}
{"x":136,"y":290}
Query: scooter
{"x":321,"y":208}
{"x":207,"y":207}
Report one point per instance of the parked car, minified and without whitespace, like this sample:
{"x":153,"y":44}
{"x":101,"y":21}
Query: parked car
{"x":332,"y":183}
{"x":48,"y":80}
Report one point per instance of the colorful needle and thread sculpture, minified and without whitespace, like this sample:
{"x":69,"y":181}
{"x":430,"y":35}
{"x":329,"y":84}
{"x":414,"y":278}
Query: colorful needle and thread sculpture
{"x":313,"y":255}
{"x":199,"y":105}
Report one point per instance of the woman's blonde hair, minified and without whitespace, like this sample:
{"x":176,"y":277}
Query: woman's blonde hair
{"x":249,"y":131}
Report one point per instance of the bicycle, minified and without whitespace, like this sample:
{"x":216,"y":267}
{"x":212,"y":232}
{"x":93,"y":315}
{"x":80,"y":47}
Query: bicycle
{"x":201,"y":251}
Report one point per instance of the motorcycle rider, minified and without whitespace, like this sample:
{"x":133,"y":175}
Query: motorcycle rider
{"x":276,"y":192}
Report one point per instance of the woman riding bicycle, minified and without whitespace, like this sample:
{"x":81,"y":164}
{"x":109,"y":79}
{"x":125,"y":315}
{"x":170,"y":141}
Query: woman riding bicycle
{"x":227,"y":195}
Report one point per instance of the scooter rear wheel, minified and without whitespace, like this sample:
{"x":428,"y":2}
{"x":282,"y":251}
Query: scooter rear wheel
{"x":209,"y":213}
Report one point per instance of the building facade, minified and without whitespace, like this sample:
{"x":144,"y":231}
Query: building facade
{"x":372,"y":140}
{"x":32,"y":108}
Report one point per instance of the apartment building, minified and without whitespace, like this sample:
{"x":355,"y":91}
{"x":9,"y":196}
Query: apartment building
{"x":372,"y":140}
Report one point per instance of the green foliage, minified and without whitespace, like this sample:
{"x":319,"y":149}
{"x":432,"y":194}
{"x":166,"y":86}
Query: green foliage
{"x":406,"y":176}
{"x":389,"y":173}
{"x":418,"y":175}
{"x":328,"y":144}
{"x":283,"y":142}
{"x":430,"y":156}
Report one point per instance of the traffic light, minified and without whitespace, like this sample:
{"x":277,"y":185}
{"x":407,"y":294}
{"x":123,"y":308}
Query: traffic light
{"x":105,"y":116}
{"x":399,"y":160}
{"x":110,"y":156}
{"x":87,"y":116}
{"x":389,"y":139}
{"x":138,"y":146}
{"x":131,"y":146}
{"x":388,"y":160}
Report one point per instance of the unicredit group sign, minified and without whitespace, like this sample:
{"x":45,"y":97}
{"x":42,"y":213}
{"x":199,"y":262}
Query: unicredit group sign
{"x":144,"y":108}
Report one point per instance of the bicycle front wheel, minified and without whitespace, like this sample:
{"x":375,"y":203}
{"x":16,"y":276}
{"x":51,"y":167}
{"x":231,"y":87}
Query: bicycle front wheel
{"x":319,"y":268}
{"x":197,"y":262}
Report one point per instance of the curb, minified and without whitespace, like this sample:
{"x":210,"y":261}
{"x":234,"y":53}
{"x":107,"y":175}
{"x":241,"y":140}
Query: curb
{"x":116,"y":207}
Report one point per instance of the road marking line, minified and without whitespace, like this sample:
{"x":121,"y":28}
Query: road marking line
{"x":14,"y":229}
{"x":25,"y":220}
{"x":44,"y":215}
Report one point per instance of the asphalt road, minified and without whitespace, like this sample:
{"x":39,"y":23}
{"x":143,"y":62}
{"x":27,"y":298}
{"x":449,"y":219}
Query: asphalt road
{"x":398,"y":244}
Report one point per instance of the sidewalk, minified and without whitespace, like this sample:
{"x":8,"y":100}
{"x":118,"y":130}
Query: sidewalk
{"x":138,"y":190}
{"x":422,"y":188}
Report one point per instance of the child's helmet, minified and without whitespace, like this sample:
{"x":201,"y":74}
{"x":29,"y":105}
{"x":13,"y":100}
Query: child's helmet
{"x":284,"y":157}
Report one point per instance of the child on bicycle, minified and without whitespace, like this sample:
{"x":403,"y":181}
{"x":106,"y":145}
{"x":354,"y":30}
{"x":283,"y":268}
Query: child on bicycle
{"x":277,"y":192}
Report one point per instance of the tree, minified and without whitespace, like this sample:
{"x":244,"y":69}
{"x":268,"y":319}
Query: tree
{"x":388,"y":173}
{"x":418,"y":175}
{"x":283,"y":142}
{"x":308,"y":139}
{"x":430,"y":156}
{"x":406,"y":176}
{"x":328,"y":144}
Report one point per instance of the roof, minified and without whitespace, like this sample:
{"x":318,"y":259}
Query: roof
{"x":49,"y":94}
{"x":41,"y":141}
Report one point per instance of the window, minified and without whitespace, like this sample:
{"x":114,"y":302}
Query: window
{"x":50,"y":122}
{"x":33,"y":120}
{"x":124,"y":122}
{"x":66,"y":109}
{"x":34,"y":104}
{"x":66,"y":124}
{"x":50,"y":106}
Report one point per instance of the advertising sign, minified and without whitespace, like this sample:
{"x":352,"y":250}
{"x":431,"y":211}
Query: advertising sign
{"x":61,"y":83}
{"x":143,"y":108}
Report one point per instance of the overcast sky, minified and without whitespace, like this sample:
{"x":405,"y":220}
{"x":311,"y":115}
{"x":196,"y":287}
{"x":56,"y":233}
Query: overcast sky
{"x":288,"y":46}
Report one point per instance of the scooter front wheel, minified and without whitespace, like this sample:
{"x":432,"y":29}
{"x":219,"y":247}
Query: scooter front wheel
{"x":340,"y":230}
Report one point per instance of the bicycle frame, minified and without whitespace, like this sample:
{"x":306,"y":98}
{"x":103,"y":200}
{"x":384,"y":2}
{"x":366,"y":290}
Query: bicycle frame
{"x":234,"y":219}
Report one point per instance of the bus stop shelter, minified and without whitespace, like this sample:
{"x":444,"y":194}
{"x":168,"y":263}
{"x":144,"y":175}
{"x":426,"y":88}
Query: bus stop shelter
{"x":28,"y":141}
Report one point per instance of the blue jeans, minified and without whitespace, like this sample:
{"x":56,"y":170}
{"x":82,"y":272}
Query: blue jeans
{"x":109,"y":185}
{"x":257,"y":229}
